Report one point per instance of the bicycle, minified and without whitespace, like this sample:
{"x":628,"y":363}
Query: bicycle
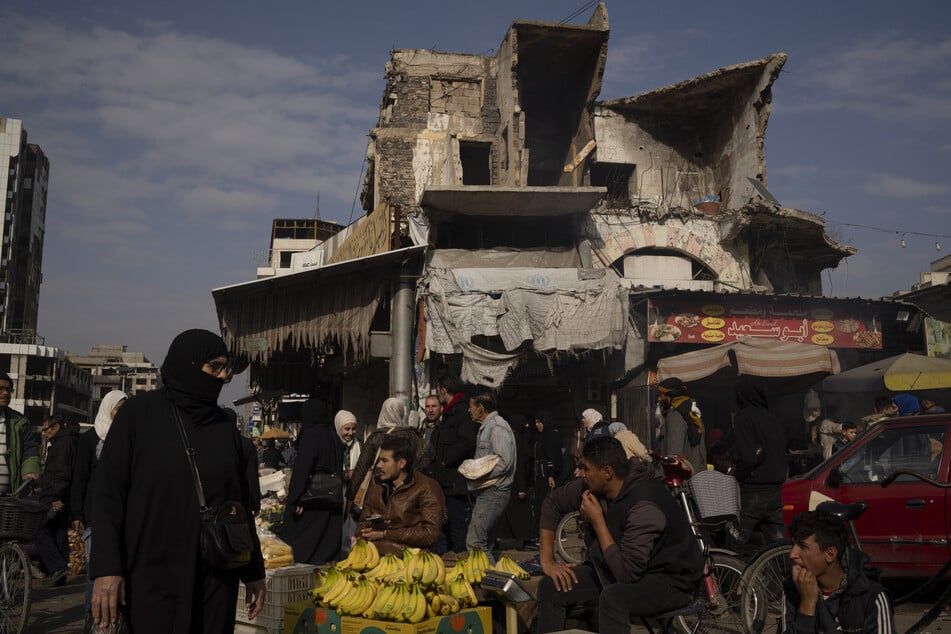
{"x":762,"y":583}
{"x":20,"y":520}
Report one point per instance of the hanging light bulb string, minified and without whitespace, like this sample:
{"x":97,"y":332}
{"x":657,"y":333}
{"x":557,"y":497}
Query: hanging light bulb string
{"x":901,"y":234}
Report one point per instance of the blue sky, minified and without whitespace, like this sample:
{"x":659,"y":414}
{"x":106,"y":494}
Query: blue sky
{"x":176,"y":131}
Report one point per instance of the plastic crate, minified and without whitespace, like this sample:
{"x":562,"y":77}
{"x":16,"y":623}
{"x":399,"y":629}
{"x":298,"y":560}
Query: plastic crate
{"x":289,"y":584}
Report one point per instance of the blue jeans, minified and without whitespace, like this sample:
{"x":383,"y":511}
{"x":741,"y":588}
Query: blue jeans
{"x":488,"y":508}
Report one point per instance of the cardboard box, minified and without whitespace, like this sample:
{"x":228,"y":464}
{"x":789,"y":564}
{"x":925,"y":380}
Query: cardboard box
{"x":305,"y":618}
{"x":311,"y":620}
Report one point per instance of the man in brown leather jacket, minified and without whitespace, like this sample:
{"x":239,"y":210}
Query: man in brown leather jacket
{"x":403,"y":507}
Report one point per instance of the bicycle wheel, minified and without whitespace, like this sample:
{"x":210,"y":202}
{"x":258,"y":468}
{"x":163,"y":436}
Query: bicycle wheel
{"x":726,"y":614}
{"x":569,"y":539}
{"x":762,"y":588}
{"x":14,"y":588}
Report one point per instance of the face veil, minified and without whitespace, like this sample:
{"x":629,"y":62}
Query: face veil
{"x":194,"y":391}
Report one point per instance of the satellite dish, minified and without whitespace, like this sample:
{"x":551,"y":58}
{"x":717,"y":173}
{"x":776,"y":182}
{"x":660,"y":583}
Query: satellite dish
{"x":763,"y":192}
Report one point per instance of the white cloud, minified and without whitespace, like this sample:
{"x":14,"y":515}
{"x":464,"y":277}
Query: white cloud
{"x":898,"y":187}
{"x":884,"y":76}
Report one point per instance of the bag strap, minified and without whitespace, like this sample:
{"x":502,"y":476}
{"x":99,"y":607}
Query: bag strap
{"x":361,"y":493}
{"x":190,"y":453}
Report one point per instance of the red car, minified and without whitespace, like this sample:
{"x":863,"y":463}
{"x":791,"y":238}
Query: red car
{"x":905,"y":530}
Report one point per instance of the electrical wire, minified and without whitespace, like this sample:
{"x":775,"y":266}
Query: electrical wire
{"x":883,"y":230}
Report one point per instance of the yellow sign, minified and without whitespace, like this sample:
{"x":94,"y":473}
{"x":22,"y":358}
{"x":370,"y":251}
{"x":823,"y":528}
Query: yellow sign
{"x":823,"y":326}
{"x":714,"y":310}
{"x":822,"y":340}
{"x":713,"y":323}
{"x":712,"y":335}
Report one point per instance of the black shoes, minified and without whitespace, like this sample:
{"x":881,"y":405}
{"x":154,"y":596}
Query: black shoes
{"x":57,"y":578}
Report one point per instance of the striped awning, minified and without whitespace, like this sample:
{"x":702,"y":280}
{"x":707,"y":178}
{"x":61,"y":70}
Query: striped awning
{"x":756,"y":357}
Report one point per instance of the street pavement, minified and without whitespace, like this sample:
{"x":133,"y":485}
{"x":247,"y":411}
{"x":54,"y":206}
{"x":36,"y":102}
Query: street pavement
{"x":60,"y":610}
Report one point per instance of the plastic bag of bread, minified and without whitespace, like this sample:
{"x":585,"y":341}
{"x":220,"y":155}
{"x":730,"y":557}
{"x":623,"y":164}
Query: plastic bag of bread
{"x":276,"y":552}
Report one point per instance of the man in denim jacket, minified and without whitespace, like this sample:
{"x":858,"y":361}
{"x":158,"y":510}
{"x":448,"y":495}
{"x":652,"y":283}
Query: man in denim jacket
{"x":491,"y":491}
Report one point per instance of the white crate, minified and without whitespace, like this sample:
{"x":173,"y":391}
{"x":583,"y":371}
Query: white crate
{"x":289,"y":584}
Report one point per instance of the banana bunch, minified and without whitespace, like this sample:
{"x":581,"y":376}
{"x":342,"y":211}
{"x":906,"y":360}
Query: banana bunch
{"x":442,"y":604}
{"x":474,"y":566}
{"x":403,"y":602}
{"x":389,"y":565}
{"x":358,"y":599}
{"x":341,"y":589}
{"x":325,"y":579}
{"x":461,"y":590}
{"x":424,"y":568}
{"x":509,"y":565}
{"x":363,"y":556}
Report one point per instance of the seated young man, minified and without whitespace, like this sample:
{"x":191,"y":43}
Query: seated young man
{"x":827,"y":590}
{"x":402,"y":507}
{"x":643,"y":558}
{"x":849,"y":431}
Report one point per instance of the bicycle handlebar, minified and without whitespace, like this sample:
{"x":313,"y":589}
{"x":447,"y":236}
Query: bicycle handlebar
{"x":900,"y":472}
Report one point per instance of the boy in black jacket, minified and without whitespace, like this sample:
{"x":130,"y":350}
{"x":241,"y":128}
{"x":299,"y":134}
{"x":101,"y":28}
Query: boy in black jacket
{"x":827,"y":590}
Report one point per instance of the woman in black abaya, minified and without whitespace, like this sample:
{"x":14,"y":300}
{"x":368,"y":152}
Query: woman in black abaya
{"x":147,"y":554}
{"x":315,"y":535}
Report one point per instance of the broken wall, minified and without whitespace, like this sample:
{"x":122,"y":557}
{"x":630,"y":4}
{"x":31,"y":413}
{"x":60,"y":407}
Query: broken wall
{"x":439,"y":114}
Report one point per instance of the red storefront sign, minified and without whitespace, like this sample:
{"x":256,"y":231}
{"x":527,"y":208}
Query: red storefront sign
{"x":728,"y":319}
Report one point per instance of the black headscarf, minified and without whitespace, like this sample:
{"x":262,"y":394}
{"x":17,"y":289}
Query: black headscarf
{"x":194,"y":391}
{"x":314,"y":412}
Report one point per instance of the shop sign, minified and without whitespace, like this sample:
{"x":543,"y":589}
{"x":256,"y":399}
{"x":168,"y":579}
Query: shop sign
{"x":802,"y":321}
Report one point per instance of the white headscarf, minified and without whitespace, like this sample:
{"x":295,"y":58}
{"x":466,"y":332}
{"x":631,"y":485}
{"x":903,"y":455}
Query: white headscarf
{"x":104,"y":415}
{"x":592,"y":417}
{"x":342,"y":418}
{"x":391,"y":414}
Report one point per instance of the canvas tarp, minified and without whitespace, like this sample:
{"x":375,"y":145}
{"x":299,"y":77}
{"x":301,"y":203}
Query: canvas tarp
{"x":555,"y":309}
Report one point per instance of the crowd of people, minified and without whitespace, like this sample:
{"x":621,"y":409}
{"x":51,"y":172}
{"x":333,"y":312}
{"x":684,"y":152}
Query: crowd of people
{"x":151,"y":473}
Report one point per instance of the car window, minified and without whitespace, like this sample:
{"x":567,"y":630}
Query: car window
{"x":917,"y":448}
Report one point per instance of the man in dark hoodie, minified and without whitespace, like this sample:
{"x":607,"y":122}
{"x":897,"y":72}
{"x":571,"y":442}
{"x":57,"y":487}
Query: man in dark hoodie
{"x":51,"y":541}
{"x":643,"y":559}
{"x":759,"y":456}
{"x":827,"y":590}
{"x":453,"y":440}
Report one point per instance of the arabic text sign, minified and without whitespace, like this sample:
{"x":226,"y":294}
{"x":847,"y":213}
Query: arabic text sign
{"x":800,"y":321}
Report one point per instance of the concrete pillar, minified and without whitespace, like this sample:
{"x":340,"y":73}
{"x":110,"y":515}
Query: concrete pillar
{"x":401,"y":359}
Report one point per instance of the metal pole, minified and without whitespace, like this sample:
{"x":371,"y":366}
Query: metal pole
{"x":401,"y":359}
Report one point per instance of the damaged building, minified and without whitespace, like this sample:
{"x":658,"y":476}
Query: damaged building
{"x":532,"y":238}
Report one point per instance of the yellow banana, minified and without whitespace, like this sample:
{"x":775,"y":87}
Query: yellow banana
{"x":405,"y":605}
{"x":367,"y":549}
{"x":473,"y":601}
{"x":350,"y":599}
{"x":440,"y":570}
{"x":483,"y":559}
{"x":373,"y":556}
{"x":450,"y":605}
{"x":333,"y":596}
{"x":430,"y":569}
{"x":414,"y":568}
{"x":419,"y":611}
{"x":370,"y":597}
{"x":325,"y":581}
{"x":435,"y":604}
{"x":376,"y":609}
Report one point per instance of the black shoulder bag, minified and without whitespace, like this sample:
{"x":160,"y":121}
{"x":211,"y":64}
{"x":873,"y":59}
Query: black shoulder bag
{"x":324,"y":491}
{"x":225,"y":531}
